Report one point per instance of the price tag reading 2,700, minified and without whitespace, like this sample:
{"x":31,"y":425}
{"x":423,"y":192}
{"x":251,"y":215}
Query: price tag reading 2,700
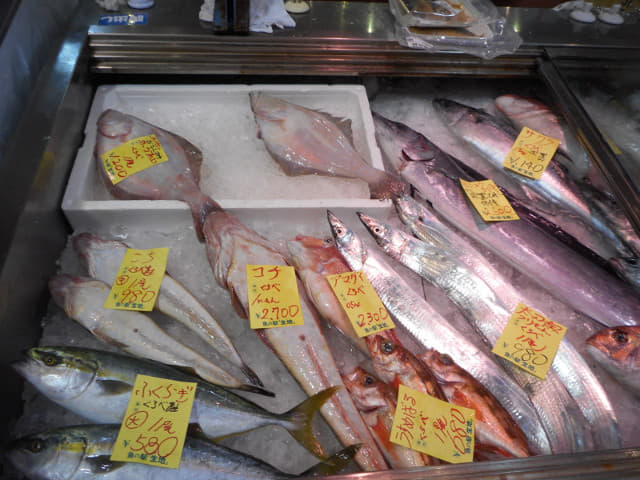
{"x":429,"y":425}
{"x":530,"y":340}
{"x":361,"y":302}
{"x":155,"y":425}
{"x":273,"y":296}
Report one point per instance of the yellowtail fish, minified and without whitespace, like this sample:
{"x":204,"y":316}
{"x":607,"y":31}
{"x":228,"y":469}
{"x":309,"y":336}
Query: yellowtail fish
{"x":98,"y":385}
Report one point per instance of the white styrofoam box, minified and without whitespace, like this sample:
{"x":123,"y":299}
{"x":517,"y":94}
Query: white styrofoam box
{"x":237,"y":171}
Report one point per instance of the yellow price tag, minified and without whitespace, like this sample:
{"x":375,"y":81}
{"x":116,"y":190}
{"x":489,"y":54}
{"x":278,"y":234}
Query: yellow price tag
{"x":531,"y":153}
{"x":361,"y":302}
{"x":138,"y":282}
{"x":155,"y":425}
{"x":273,"y":296}
{"x":530,"y":340}
{"x":489,"y":201}
{"x":133,"y":157}
{"x":429,"y":425}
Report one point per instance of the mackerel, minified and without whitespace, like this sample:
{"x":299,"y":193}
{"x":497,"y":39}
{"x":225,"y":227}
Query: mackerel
{"x":431,"y":330}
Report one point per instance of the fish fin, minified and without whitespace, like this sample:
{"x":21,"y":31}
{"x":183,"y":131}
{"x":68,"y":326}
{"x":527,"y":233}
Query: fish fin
{"x":102,"y":464}
{"x":333,"y":464}
{"x":387,"y":186}
{"x":114,"y":387}
{"x":251,"y":375}
{"x":255,"y":389}
{"x":193,"y":153}
{"x":236,"y":303}
{"x":302,"y":417}
{"x":200,"y":211}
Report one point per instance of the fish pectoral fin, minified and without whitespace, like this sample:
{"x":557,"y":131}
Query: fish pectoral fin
{"x":114,"y":387}
{"x":237,"y":303}
{"x":102,"y":464}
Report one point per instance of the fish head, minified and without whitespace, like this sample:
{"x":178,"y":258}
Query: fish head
{"x":58,"y":373}
{"x":349,"y":244}
{"x":389,"y":358}
{"x":382,"y":233}
{"x":115,"y":124}
{"x":48,"y":455}
{"x":619,"y":346}
{"x":514,"y":104}
{"x":423,"y":221}
{"x":318,"y":254}
{"x":451,"y":112}
{"x":96,"y":252}
{"x":365,"y":390}
{"x":440,"y":364}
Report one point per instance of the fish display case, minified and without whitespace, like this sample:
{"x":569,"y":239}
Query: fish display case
{"x":341,"y":59}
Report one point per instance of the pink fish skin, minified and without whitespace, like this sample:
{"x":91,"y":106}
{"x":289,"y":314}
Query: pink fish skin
{"x":231,"y":246}
{"x":377,"y":403}
{"x":176,"y":179}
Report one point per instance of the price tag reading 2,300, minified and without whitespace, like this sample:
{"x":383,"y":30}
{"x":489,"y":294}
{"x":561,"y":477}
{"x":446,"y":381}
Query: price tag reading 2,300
{"x":531,"y":153}
{"x":138,"y":282}
{"x":361,"y":302}
{"x":429,"y":425}
{"x":156,"y":422}
{"x":133,"y":157}
{"x":530,"y":340}
{"x":489,"y":201}
{"x":273,"y":296}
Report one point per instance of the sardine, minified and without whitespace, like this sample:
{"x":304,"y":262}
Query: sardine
{"x":430,"y":330}
{"x":565,"y":274}
{"x":83,"y":300}
{"x":496,"y":431}
{"x":103,"y":258}
{"x":304,"y":141}
{"x":314,"y":259}
{"x":489,"y":314}
{"x":617,"y":349}
{"x":377,"y":404}
{"x":231,"y":246}
{"x":82,"y":452}
{"x":554,"y":196}
{"x":97,"y":385}
{"x":176,"y":179}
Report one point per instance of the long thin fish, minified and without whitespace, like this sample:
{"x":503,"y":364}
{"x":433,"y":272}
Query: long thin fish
{"x":83,"y":300}
{"x":81,"y":452}
{"x":484,"y":307}
{"x":103,"y":259}
{"x":231,"y":246}
{"x":97,"y":385}
{"x":565,"y":274}
{"x":432,"y":331}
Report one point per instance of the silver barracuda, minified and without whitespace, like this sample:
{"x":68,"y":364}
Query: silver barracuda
{"x":431,"y":330}
{"x":489,"y":313}
{"x":82,"y":452}
{"x":97,"y":385}
{"x":231,"y":246}
{"x":554,"y":196}
{"x":83,"y":300}
{"x":564,"y":273}
{"x":103,"y":258}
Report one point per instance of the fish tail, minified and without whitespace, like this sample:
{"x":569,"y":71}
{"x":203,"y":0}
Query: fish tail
{"x":302,"y":418}
{"x":201,"y":210}
{"x":251,"y":375}
{"x":385,"y":186}
{"x":333,"y":464}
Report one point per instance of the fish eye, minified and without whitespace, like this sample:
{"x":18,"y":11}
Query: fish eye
{"x":377,"y":229}
{"x":50,"y":360}
{"x":620,"y":336}
{"x":368,"y":380}
{"x":388,"y":347}
{"x":339,"y":231}
{"x":36,"y":446}
{"x":446,"y":359}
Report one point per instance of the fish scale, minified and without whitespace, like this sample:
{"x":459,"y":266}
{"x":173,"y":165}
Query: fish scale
{"x":432,"y":331}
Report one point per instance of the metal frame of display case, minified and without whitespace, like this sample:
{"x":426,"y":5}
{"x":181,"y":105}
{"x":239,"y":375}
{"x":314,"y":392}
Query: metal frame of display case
{"x":174,"y":47}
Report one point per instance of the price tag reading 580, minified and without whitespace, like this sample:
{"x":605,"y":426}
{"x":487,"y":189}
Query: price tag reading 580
{"x":156,"y":422}
{"x":361,"y":302}
{"x":273,"y":296}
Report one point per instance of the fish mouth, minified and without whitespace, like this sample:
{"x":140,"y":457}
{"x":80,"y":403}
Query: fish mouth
{"x":451,"y":111}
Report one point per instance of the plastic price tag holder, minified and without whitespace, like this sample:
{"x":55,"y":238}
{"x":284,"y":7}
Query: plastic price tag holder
{"x":489,"y":201}
{"x":138,"y":282}
{"x":133,"y":157}
{"x":361,"y":303}
{"x":273,"y":296}
{"x":531,"y":153}
{"x":429,"y":425}
{"x":155,"y":426}
{"x":530,"y":340}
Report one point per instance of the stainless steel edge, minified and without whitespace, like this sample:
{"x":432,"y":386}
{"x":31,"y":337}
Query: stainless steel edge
{"x":591,"y":139}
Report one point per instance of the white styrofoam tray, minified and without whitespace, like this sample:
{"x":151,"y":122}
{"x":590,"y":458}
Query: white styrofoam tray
{"x":237,"y":171}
